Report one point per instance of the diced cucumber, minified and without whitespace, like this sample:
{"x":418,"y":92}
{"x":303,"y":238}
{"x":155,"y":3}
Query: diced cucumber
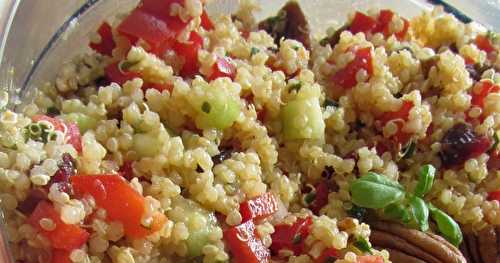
{"x":83,"y":121}
{"x":146,"y":145}
{"x":302,"y":119}
{"x":217,"y":110}
{"x":200,"y":222}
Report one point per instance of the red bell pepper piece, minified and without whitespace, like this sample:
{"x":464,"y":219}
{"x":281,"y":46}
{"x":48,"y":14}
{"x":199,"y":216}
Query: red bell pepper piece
{"x":346,"y":77}
{"x":158,"y":8}
{"x":223,"y":67}
{"x":244,"y":244}
{"x":121,"y":202}
{"x":71,"y":130}
{"x":383,"y":20}
{"x":63,"y":236}
{"x":291,"y":237}
{"x":401,"y":114}
{"x":494,"y":161}
{"x":494,"y":195}
{"x":189,"y":51}
{"x":482,"y":42}
{"x":107,"y":44}
{"x":362,"y":23}
{"x":328,"y":255}
{"x":486,"y":87}
{"x":259,"y":207}
{"x":60,"y":256}
{"x":321,"y":198}
{"x":206,"y":22}
{"x":115,"y":74}
{"x":370,"y":259}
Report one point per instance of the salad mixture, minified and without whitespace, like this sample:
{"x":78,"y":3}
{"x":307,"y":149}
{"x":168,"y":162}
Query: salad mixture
{"x":184,"y":137}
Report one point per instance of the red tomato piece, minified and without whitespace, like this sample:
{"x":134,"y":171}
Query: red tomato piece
{"x":159,"y":8}
{"x":189,"y":51}
{"x":206,"y":22}
{"x":74,"y":136}
{"x":402,"y":113}
{"x":370,"y":259}
{"x":495,"y":195}
{"x":486,"y":87}
{"x":107,"y":44}
{"x":346,"y":77}
{"x":321,"y":198}
{"x":64,"y":236}
{"x":328,"y":255}
{"x":291,"y":237}
{"x":259,"y":207}
{"x":121,"y":202}
{"x":115,"y":74}
{"x":362,"y":23}
{"x":483,"y":43}
{"x":244,"y":244}
{"x":60,"y":256}
{"x":223,"y":67}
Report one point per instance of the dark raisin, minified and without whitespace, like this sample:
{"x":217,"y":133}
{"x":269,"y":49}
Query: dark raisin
{"x":34,"y":197}
{"x":199,"y":169}
{"x":453,"y":48}
{"x":328,"y":172}
{"x":223,"y":155}
{"x":62,"y":176}
{"x":460,"y":143}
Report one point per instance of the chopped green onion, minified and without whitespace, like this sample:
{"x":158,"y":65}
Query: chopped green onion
{"x":408,"y":151}
{"x":205,"y":107}
{"x":35,"y":130}
{"x":51,"y":136}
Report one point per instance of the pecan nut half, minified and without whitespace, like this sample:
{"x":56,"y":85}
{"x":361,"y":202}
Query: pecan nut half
{"x":412,"y":246}
{"x":483,"y":247}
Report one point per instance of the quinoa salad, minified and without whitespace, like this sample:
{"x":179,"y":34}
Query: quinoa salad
{"x":184,"y":137}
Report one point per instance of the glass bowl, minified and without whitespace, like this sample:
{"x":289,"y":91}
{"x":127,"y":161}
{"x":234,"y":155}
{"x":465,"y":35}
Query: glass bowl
{"x":37,"y":36}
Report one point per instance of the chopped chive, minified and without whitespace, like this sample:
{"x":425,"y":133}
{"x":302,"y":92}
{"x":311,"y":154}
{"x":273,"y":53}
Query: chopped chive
{"x":206,"y":107}
{"x":53,"y":111}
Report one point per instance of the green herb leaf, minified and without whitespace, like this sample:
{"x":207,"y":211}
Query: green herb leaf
{"x":295,"y":86}
{"x":397,"y":212}
{"x":375,"y":191}
{"x":408,"y":151}
{"x":420,"y":212}
{"x":425,"y":181}
{"x":363,"y":245}
{"x":254,"y":51}
{"x":206,"y":107}
{"x":446,"y":225}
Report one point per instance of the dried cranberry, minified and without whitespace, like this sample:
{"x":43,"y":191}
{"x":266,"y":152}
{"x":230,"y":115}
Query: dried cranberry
{"x":34,"y":197}
{"x":126,"y":170}
{"x":460,"y":143}
{"x":66,"y":170}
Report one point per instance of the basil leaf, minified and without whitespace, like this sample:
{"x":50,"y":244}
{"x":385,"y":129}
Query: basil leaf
{"x":363,"y":245}
{"x":446,"y":225}
{"x":425,"y":181}
{"x":375,"y":191}
{"x":397,"y":212}
{"x":420,"y":212}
